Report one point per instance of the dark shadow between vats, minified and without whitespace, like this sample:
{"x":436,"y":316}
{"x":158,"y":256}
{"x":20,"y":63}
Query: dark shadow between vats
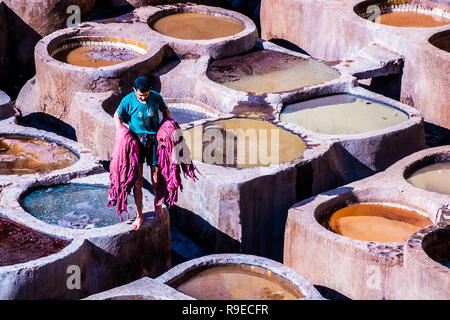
{"x":209,"y":238}
{"x":170,"y":61}
{"x":437,"y":246}
{"x":435,"y":135}
{"x":43,"y":121}
{"x":389,"y":86}
{"x":251,"y":8}
{"x":288,"y":45}
{"x":330,"y":294}
{"x":350,"y":168}
{"x":105,"y":10}
{"x":21,"y":42}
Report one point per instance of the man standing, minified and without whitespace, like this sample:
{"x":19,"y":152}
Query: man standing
{"x":139,"y":110}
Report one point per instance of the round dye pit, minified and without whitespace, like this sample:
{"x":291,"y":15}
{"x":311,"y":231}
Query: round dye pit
{"x":235,"y":282}
{"x":411,"y":14}
{"x":243,"y":143}
{"x":267,"y":71}
{"x":186,"y":112}
{"x":441,"y":40}
{"x":26,"y":155}
{"x":342,"y":114}
{"x":19,"y":244}
{"x":376,"y":222}
{"x":198,"y":25}
{"x":75,"y":205}
{"x":434,"y":177}
{"x":437,"y":246}
{"x":97,"y":52}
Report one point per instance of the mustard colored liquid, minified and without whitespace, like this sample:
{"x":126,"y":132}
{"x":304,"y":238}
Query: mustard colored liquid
{"x":375,"y":222}
{"x":23,"y":155}
{"x":286,"y":148}
{"x":197,"y":26}
{"x":224,"y":283}
{"x":82,"y":56}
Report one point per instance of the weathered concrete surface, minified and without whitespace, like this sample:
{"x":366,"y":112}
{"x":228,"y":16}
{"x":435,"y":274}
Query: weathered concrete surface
{"x":362,"y":269}
{"x":116,"y":254}
{"x":47,"y":16}
{"x":342,"y":33}
{"x":142,"y":289}
{"x":426,"y":278}
{"x":53,"y":77}
{"x":277,"y":269}
{"x":223,"y":205}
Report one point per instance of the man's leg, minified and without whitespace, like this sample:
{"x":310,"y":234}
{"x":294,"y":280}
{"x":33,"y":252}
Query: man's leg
{"x":138,"y":197}
{"x":155,"y":183}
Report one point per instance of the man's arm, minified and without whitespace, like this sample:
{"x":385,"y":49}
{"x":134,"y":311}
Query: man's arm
{"x":166,"y":113}
{"x":118,"y":121}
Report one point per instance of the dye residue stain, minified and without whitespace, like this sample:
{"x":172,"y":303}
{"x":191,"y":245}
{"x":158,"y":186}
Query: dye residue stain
{"x":412,"y":19}
{"x":243,"y":143}
{"x":26,"y":155}
{"x":376,"y":222}
{"x":233,"y":283}
{"x":96,"y":56}
{"x":19,"y":244}
{"x":197,"y":26}
{"x":342,"y":114}
{"x":435,"y":178}
{"x":269,"y":71}
{"x":76,"y":206}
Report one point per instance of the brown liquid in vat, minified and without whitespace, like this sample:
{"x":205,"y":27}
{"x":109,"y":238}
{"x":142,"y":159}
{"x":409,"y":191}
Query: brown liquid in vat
{"x":19,"y":244}
{"x":96,"y":56}
{"x":267,"y":71}
{"x":24,"y":155}
{"x":197,"y":26}
{"x":251,"y":146}
{"x":376,"y":222}
{"x":233,"y":283}
{"x":412,"y":19}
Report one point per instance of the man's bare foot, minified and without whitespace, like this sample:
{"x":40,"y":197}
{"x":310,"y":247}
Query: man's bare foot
{"x":159,"y":211}
{"x":136,"y":225}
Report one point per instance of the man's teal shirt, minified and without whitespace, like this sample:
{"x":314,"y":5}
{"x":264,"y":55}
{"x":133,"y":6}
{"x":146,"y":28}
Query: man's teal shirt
{"x":142,"y":118}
